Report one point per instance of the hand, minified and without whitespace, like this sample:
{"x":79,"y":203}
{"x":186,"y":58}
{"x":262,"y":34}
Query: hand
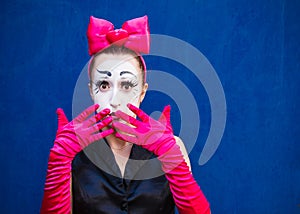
{"x":72,"y":137}
{"x":154,"y":135}
{"x":157,"y":136}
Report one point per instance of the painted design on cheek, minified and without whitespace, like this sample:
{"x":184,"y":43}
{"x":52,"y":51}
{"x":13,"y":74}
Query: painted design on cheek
{"x":96,"y":89}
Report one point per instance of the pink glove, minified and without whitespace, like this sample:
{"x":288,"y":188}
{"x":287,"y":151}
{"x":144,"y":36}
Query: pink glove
{"x":157,"y":136}
{"x":71,"y":138}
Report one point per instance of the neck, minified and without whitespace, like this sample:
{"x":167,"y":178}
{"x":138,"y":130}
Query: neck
{"x":121,"y":151}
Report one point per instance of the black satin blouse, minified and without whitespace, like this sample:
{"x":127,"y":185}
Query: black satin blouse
{"x":98,"y":187}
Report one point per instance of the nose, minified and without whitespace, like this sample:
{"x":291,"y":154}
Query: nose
{"x":115,"y":100}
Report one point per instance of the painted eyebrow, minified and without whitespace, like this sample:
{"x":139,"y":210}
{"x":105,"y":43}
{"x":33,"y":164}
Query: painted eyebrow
{"x":126,"y":72}
{"x":108,"y":73}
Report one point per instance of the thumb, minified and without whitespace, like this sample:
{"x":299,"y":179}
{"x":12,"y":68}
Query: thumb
{"x":62,"y":120}
{"x":165,"y":115}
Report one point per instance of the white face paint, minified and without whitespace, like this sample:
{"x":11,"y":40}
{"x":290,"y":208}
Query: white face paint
{"x":116,"y":81}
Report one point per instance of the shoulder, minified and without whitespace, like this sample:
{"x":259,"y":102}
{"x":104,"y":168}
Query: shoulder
{"x":183,"y":150}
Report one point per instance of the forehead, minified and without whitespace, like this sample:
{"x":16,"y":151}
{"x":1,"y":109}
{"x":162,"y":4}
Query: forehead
{"x":115,"y":63}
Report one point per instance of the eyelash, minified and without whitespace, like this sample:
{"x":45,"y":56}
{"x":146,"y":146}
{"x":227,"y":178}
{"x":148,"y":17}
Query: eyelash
{"x":128,"y":83}
{"x":131,"y":84}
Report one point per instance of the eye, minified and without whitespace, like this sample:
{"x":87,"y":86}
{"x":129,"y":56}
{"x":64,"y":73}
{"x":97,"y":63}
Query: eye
{"x":103,"y":86}
{"x":127,"y":86}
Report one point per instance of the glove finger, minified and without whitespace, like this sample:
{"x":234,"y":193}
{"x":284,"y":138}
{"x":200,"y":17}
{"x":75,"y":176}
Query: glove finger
{"x":131,"y":139}
{"x":165,"y":115}
{"x":103,"y":113}
{"x":86,"y":113}
{"x":144,"y":117}
{"x":62,"y":120}
{"x":99,"y":116}
{"x":98,"y":126}
{"x":104,"y":123}
{"x":127,"y":118}
{"x":101,"y":135}
{"x":124,"y":128}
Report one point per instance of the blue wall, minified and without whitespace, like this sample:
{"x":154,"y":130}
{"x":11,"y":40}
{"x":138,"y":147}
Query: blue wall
{"x":254,"y":47}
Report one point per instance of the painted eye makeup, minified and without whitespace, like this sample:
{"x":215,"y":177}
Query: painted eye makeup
{"x":102,"y":86}
{"x":128,"y":85}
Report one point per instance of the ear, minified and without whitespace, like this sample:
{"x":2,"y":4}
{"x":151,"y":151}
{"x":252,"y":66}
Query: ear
{"x":144,"y":90}
{"x":91,"y":91}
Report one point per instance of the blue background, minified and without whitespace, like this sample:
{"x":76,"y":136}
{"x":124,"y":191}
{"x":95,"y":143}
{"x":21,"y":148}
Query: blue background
{"x":253,"y":46}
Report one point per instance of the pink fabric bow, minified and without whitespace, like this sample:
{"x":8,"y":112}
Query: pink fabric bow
{"x":134,"y":35}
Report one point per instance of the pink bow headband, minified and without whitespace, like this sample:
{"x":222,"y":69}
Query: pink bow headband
{"x":133,"y":35}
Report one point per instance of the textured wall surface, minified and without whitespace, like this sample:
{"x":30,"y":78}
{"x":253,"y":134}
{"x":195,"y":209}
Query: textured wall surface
{"x":253,"y":46}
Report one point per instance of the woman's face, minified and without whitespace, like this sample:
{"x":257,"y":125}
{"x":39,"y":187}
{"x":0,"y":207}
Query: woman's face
{"x":116,"y":80}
